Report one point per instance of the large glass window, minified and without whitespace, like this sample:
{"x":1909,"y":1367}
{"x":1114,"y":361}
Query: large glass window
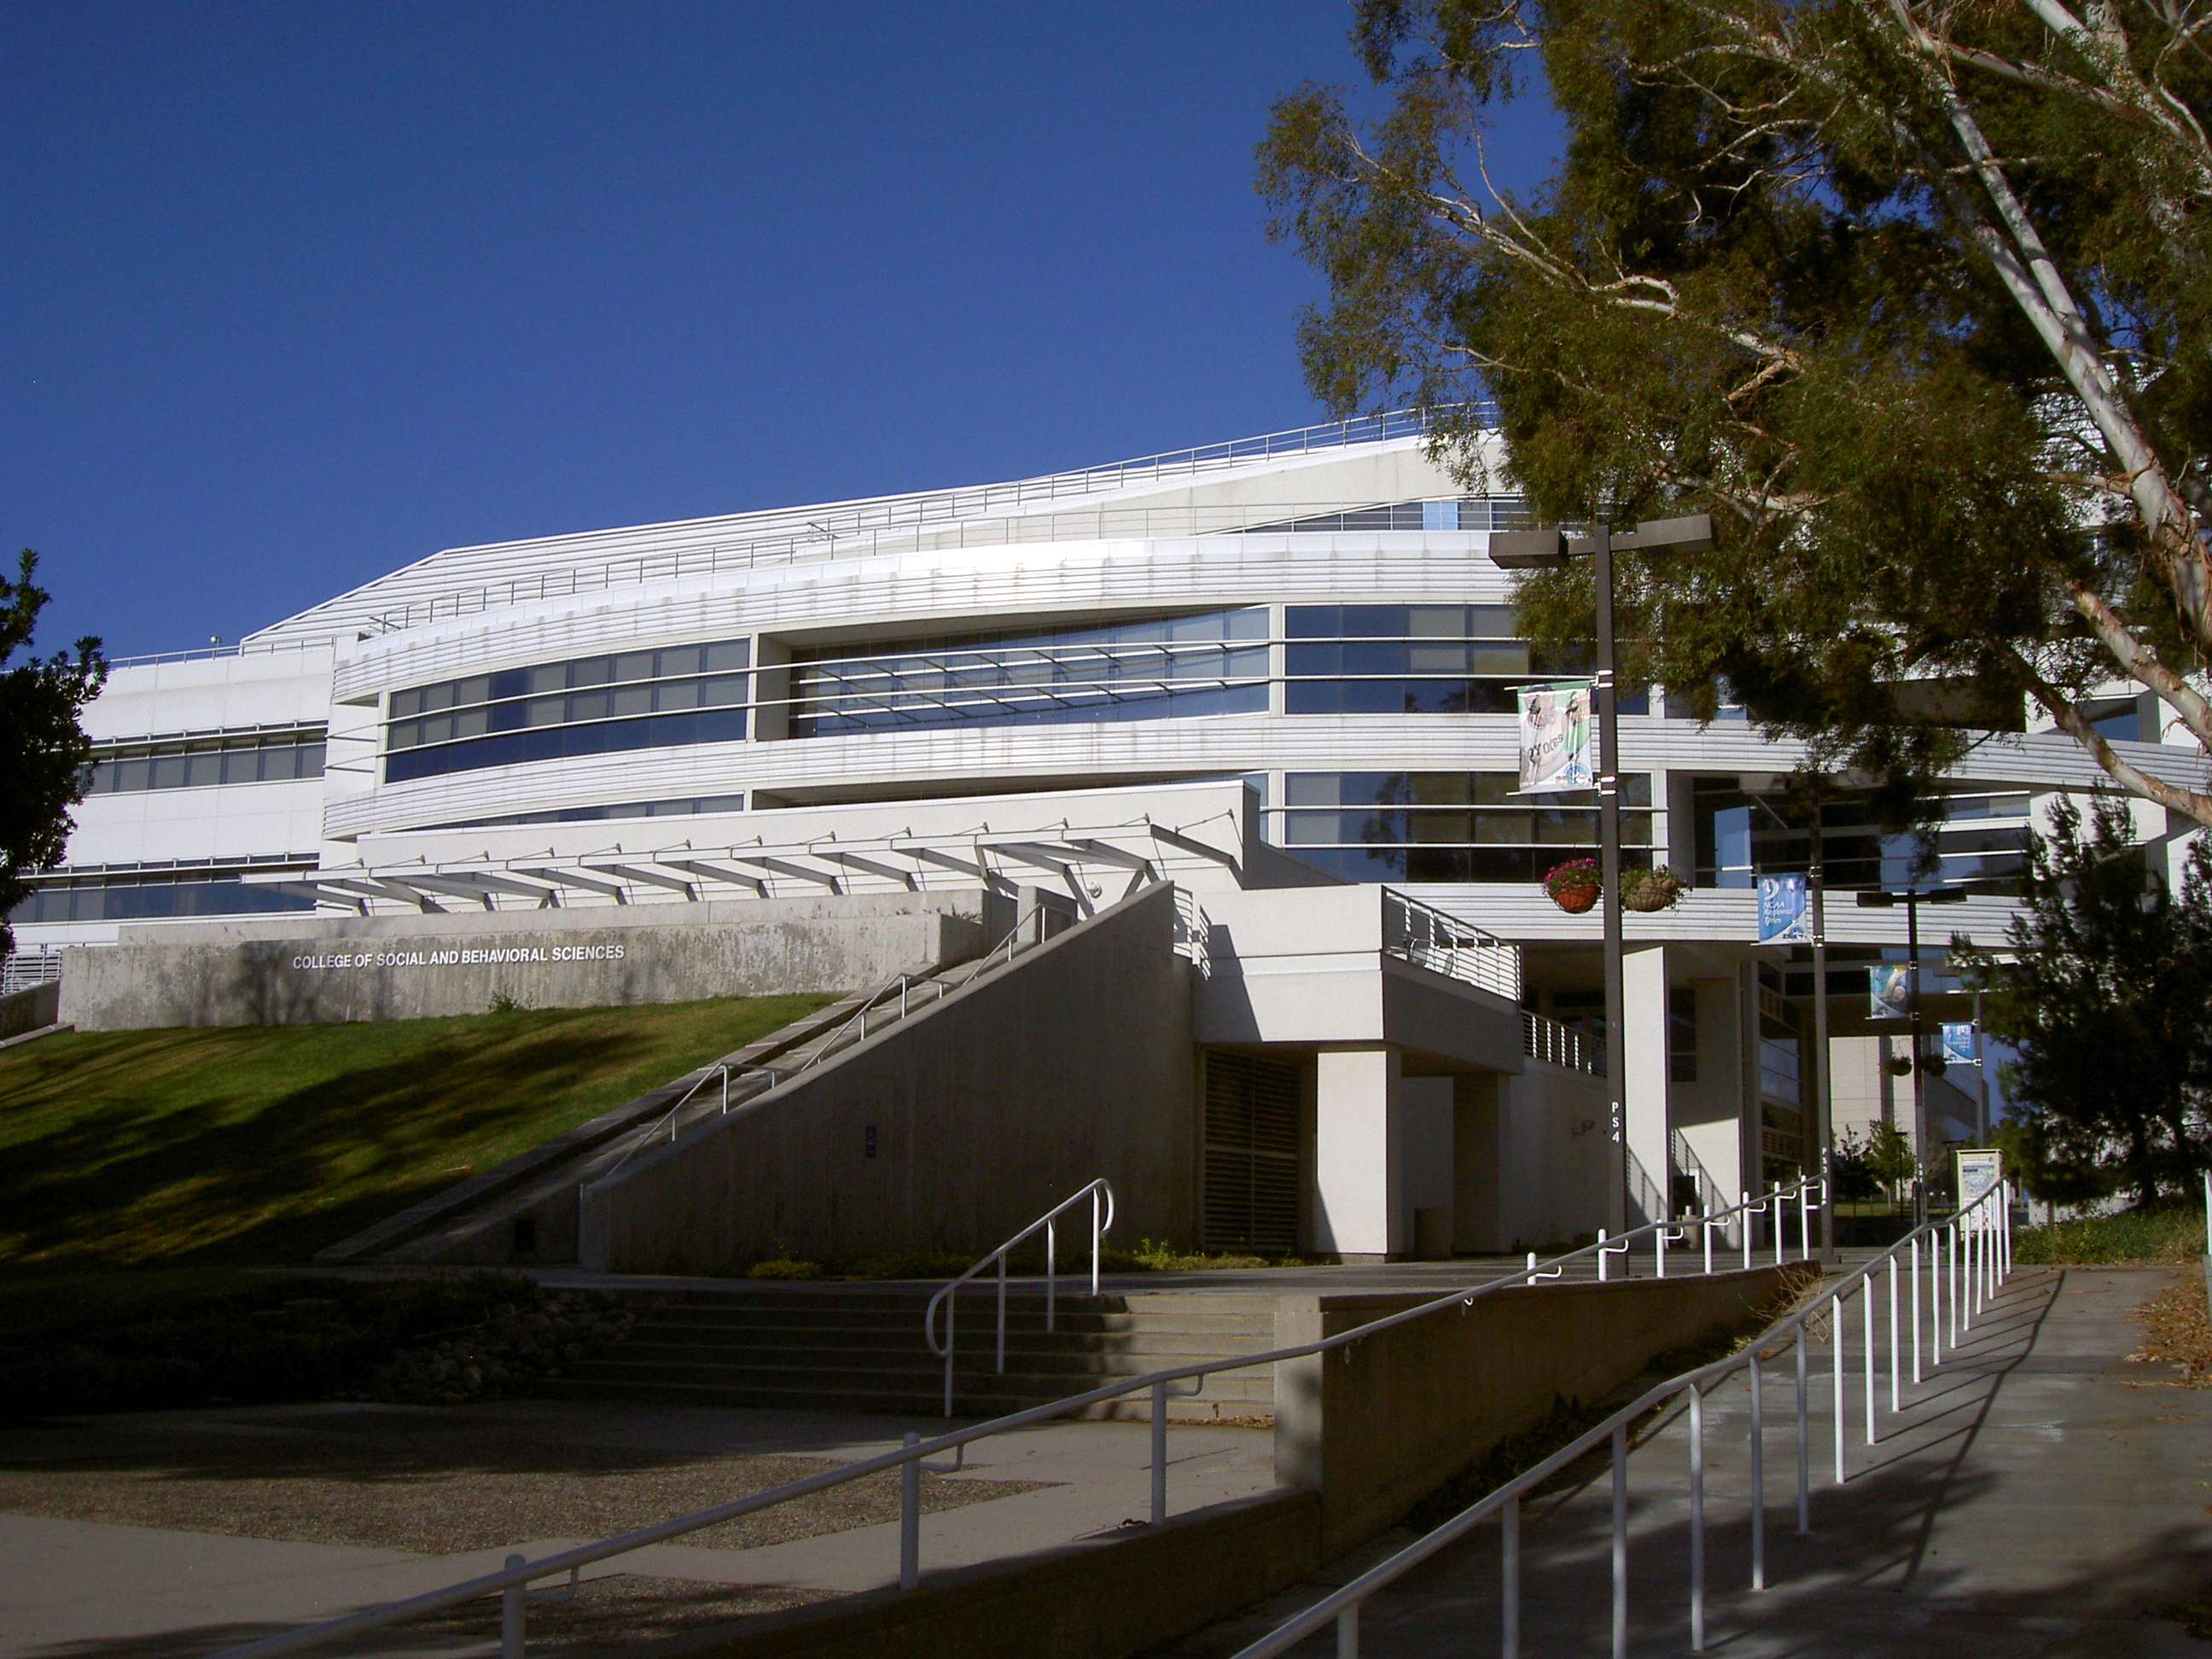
{"x":129,"y":898}
{"x":1159,"y":668}
{"x":1415,"y":660}
{"x":1977,"y":839}
{"x":1468,"y":513}
{"x":197,"y":765}
{"x":1446,"y":826}
{"x":645,"y":699}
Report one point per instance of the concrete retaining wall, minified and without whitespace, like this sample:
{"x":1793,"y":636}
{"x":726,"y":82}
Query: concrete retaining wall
{"x":952,"y":1129}
{"x":1103,"y":1598}
{"x":413,"y":967}
{"x":1376,"y":1428}
{"x":29,"y":1009}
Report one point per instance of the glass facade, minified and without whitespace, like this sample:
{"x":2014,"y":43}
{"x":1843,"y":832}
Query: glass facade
{"x":132,"y":898}
{"x":1446,"y":826}
{"x":1160,"y":668}
{"x":242,"y":760}
{"x":680,"y":693}
{"x":1415,"y":660}
{"x":689,"y":806}
{"x":1979,"y":839}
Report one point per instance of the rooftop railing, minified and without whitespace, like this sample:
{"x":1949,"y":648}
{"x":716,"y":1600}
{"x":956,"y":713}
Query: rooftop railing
{"x":818,"y":543}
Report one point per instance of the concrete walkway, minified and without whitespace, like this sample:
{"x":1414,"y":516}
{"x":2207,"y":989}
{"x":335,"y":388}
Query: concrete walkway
{"x":2041,"y":1497}
{"x":81,"y":1589}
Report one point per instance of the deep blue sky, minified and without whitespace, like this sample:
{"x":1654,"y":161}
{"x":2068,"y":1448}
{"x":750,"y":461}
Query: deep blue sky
{"x":291,"y":294}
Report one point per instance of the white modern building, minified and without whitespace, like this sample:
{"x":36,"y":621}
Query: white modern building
{"x":1281,"y":662}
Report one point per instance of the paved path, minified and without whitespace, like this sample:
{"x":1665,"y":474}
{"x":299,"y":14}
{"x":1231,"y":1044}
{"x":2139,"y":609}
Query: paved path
{"x":2042,"y":1496}
{"x":77,"y":1589}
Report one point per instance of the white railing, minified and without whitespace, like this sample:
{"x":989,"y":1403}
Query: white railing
{"x":1098,"y":1192}
{"x":1556,"y":1044}
{"x":19,"y":970}
{"x":905,"y":993}
{"x":1193,"y":931}
{"x":246,"y":648}
{"x":1969,"y":1256}
{"x":1439,"y":941}
{"x":511,"y":1583}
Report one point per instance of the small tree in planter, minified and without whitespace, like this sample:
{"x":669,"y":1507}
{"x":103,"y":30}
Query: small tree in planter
{"x":1655,"y":889}
{"x":1574,"y":886}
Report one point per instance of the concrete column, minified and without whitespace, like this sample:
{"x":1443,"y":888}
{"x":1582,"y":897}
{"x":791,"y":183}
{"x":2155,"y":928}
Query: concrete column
{"x":1359,"y":1210}
{"x":1478,"y":1161}
{"x":1708,"y":1112}
{"x":1644,"y":1017}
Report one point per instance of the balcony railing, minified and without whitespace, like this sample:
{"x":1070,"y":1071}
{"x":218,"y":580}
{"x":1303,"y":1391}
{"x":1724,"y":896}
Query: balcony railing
{"x":1440,"y":942}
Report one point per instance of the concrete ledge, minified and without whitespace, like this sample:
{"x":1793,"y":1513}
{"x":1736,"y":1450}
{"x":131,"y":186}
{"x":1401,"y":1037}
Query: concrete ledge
{"x":33,"y":1036}
{"x":1100,"y":1598}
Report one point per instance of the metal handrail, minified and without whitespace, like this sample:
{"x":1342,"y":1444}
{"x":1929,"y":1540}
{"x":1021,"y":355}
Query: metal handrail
{"x":1432,"y":938}
{"x":512,"y":1582}
{"x":948,"y":1297}
{"x":1982,"y":1232}
{"x":831,"y":1045}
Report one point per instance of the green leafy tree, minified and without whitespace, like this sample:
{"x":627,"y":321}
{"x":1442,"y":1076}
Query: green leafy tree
{"x":1911,"y":294}
{"x":42,"y":748}
{"x":2108,"y":997}
{"x":2053,"y":1161}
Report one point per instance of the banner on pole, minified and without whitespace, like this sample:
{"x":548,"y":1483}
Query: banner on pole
{"x":1557,"y":733}
{"x":1785,"y":910}
{"x":1889,"y":990}
{"x":1958,"y":1042}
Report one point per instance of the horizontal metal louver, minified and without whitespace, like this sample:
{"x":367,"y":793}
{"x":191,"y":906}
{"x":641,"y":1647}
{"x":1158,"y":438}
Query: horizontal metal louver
{"x":1251,"y":1154}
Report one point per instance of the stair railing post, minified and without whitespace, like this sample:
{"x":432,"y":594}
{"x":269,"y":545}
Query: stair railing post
{"x":1096,"y":1236}
{"x":1705,"y":1226}
{"x":1894,"y":1343}
{"x":513,"y":1615}
{"x":1913,"y":1273}
{"x":1804,"y":1445}
{"x":1781,"y":1231}
{"x":1051,"y":1267}
{"x":1002,"y":1311}
{"x":1757,"y":1476}
{"x":910,"y":1516}
{"x":1159,"y":1453}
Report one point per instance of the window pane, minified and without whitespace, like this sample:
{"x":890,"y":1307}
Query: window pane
{"x":634,"y":666}
{"x":634,"y":700}
{"x":682,"y":694}
{"x":203,"y":769}
{"x":591,"y":671}
{"x":721,"y":692}
{"x":679,"y":659}
{"x":725,"y":655}
{"x":311,"y":759}
{"x":169,"y":772}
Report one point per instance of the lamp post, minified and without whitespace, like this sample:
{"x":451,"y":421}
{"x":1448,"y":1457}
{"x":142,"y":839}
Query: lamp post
{"x":1912,"y":898}
{"x":1550,"y":547}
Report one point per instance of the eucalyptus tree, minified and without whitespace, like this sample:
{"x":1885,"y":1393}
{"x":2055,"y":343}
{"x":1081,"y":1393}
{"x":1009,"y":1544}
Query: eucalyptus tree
{"x":1911,"y":296}
{"x":43,"y":747}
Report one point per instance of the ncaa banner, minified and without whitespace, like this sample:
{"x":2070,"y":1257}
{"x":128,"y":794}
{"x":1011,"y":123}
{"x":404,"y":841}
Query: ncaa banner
{"x":1785,"y":910}
{"x":1959,"y":1043}
{"x":1556,"y":737}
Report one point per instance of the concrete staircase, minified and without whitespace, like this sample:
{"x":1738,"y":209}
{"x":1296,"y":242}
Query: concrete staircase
{"x":859,"y":1348}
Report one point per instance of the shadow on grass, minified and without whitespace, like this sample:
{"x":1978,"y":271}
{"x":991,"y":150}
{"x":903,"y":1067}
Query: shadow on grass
{"x":262,"y":1145}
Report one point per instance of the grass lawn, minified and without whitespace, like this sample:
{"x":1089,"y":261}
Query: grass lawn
{"x":187,"y":1155}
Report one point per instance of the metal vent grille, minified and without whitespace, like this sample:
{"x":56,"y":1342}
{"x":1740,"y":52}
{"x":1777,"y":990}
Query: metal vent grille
{"x":1251,"y":1154}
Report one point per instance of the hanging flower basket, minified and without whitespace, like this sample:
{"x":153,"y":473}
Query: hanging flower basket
{"x":1658,"y":888}
{"x":1573,"y":886}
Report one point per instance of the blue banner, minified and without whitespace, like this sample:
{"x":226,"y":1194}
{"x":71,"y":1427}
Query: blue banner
{"x":1959,"y":1043}
{"x":1785,"y":910}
